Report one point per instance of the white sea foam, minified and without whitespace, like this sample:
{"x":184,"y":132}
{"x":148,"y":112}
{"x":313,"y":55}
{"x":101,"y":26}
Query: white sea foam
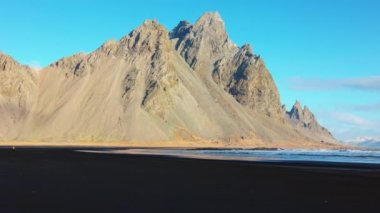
{"x":352,"y":156}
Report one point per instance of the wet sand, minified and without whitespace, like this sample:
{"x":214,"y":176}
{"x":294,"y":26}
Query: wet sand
{"x":63,"y":180}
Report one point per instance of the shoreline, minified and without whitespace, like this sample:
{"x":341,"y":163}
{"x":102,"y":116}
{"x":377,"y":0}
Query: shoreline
{"x":176,"y":144}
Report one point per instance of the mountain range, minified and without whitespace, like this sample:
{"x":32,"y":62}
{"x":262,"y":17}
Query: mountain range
{"x":364,"y":142}
{"x":191,"y":86}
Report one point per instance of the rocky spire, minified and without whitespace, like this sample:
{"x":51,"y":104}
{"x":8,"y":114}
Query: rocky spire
{"x":211,"y":22}
{"x":204,"y":42}
{"x":297,"y":105}
{"x":296,"y":112}
{"x":304,"y":120}
{"x":302,"y":115}
{"x":308,"y":116}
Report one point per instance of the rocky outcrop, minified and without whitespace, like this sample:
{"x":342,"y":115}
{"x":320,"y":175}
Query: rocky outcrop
{"x":204,"y":42}
{"x":17,"y":94}
{"x":246,"y":77}
{"x":208,"y":50}
{"x":151,"y":42}
{"x":304,"y":121}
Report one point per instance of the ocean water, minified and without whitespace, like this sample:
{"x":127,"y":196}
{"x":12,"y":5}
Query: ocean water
{"x":340,"y":156}
{"x":344,"y":156}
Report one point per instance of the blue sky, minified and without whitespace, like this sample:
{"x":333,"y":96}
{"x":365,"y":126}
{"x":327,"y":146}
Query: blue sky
{"x":325,"y":53}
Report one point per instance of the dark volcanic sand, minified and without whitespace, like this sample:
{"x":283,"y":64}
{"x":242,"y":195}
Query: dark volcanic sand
{"x":62,"y":180}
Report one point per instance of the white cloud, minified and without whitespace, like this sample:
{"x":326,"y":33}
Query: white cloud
{"x":371,"y":83}
{"x":352,"y":119}
{"x":367,"y":107}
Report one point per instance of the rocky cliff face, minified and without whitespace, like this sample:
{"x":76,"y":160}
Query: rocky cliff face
{"x":204,"y":42}
{"x":207,"y":49}
{"x":189,"y":84}
{"x":304,"y":121}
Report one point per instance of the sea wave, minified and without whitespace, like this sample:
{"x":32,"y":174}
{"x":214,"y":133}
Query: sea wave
{"x":346,"y":155}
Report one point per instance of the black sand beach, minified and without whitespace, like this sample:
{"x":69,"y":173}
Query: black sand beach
{"x":63,"y":180}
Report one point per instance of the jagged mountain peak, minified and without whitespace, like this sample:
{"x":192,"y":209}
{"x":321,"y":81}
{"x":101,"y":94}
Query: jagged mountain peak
{"x":204,"y":42}
{"x":211,"y":26}
{"x":182,"y":28}
{"x":301,"y":112}
{"x":247,"y":47}
{"x":70,"y":62}
{"x":298,"y":112}
{"x":148,"y":27}
{"x":150,"y":39}
{"x":304,"y":120}
{"x":8,"y":63}
{"x":109,"y":44}
{"x":297,"y":105}
{"x":210,"y":19}
{"x":246,"y":51}
{"x":149,"y":36}
{"x":183,"y":23}
{"x":306,"y":110}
